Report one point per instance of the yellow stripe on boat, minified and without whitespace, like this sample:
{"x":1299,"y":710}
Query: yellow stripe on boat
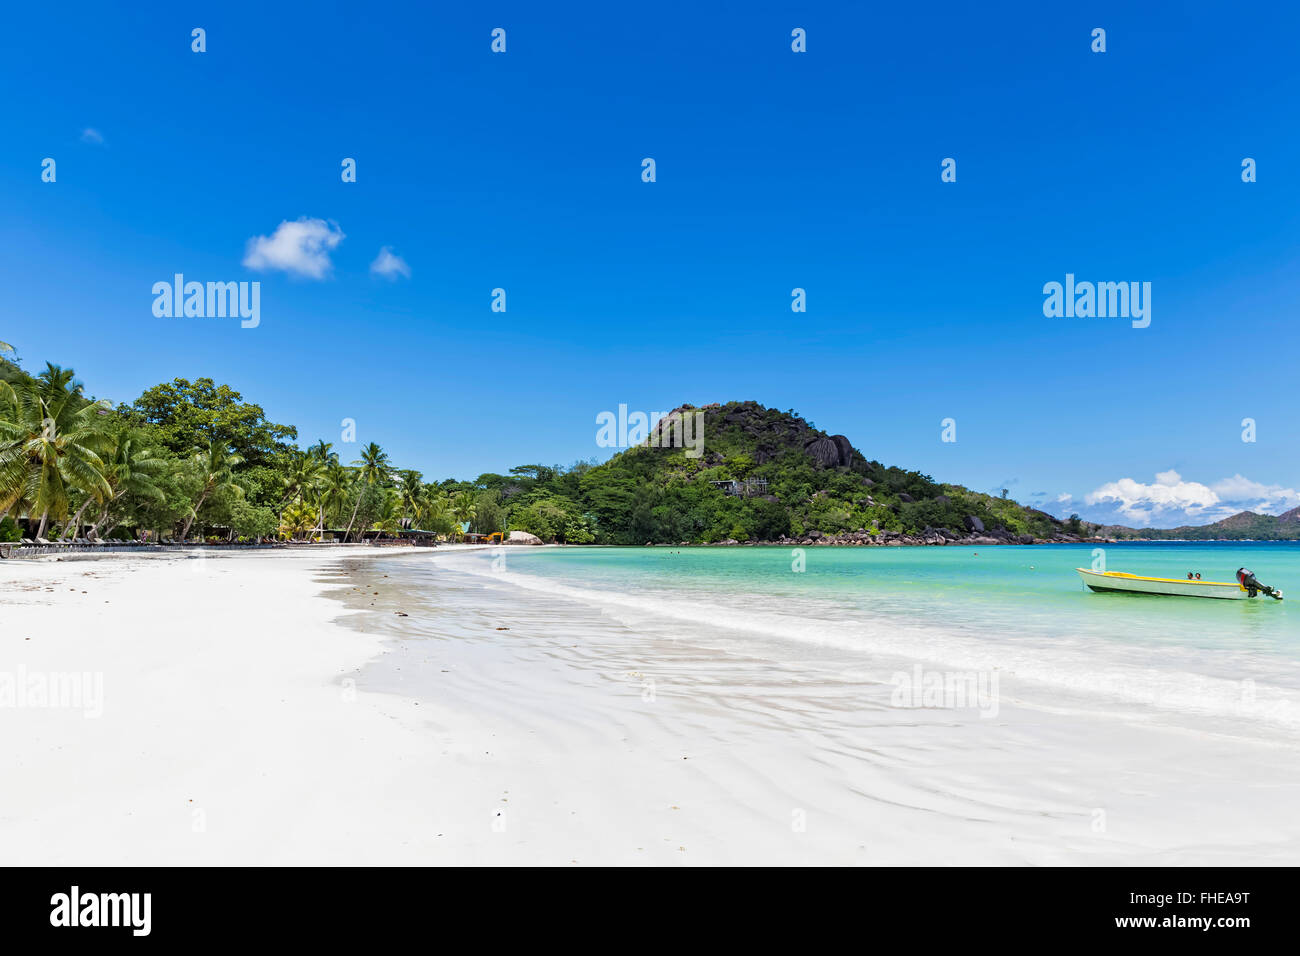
{"x":1140,"y":577}
{"x":1177,"y":587}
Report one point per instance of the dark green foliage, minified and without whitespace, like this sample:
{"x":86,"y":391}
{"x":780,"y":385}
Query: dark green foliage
{"x":552,"y":518}
{"x":188,"y":415}
{"x":792,"y":479}
{"x":489,"y":515}
{"x":662,"y":495}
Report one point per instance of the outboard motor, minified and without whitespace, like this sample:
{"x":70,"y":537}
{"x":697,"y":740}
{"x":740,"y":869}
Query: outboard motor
{"x":1246,"y":578}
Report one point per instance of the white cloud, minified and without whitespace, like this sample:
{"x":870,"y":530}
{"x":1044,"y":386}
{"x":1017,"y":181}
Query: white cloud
{"x":1064,"y":497}
{"x":299,"y":248}
{"x":1266,"y":498}
{"x":92,"y":136}
{"x":1139,"y":502}
{"x":389,"y":266}
{"x":1174,"y":501}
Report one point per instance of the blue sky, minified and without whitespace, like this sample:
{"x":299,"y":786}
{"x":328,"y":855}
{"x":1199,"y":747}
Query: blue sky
{"x":775,"y":170}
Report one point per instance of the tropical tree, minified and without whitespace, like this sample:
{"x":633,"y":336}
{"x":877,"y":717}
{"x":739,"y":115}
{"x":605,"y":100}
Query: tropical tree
{"x":374,"y":469}
{"x":412,"y":495}
{"x":489,"y":515}
{"x":50,"y":438}
{"x":297,"y":519}
{"x":332,"y":491}
{"x":302,"y":479}
{"x":435,"y":513}
{"x":215,"y":468}
{"x":323,"y":451}
{"x":464,"y":507}
{"x":389,"y":519}
{"x":130,"y":468}
{"x":189,"y":415}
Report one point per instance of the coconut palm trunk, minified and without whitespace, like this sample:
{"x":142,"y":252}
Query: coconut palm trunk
{"x":348,"y":533}
{"x":76,"y":521}
{"x":99,"y":519}
{"x":216,"y":467}
{"x":185,"y":532}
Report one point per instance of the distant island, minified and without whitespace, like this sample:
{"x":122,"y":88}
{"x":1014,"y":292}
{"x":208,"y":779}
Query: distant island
{"x":1243,"y":526}
{"x":193,"y":461}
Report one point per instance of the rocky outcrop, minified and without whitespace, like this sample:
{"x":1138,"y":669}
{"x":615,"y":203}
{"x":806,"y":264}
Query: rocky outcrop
{"x":523,"y":537}
{"x":832,"y":452}
{"x":824,"y":452}
{"x":845,"y":449}
{"x":930,"y":536}
{"x":743,"y":438}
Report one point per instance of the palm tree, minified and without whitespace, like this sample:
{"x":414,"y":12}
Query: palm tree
{"x":50,"y":437}
{"x":56,"y":382}
{"x":332,"y":490}
{"x":435,"y":513}
{"x":307,"y":476}
{"x":374,"y":468}
{"x":128,"y":467}
{"x":303,"y":476}
{"x":463,"y":508}
{"x":216,"y":468}
{"x":390,"y":514}
{"x":130,"y":470}
{"x":412,"y":491}
{"x":322,"y":451}
{"x":295,"y":520}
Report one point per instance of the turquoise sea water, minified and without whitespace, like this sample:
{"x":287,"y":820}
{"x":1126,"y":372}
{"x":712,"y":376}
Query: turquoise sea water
{"x":1021,"y":610}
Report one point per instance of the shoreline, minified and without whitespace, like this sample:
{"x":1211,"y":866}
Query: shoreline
{"x":272,"y":708}
{"x":73,"y":552}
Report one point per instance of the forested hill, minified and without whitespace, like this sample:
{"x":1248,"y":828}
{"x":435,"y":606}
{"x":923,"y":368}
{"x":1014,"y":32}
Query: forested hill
{"x":760,"y":474}
{"x":192,"y":460}
{"x":1243,"y":526}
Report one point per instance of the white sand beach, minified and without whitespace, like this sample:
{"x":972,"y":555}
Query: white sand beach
{"x":272,"y":708}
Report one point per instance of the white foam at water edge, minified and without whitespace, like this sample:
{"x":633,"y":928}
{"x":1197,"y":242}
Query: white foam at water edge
{"x":1169,"y":690}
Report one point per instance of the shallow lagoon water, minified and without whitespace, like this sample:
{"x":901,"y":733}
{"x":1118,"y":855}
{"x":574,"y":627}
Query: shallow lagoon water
{"x":1019,"y":610}
{"x":726,"y":686}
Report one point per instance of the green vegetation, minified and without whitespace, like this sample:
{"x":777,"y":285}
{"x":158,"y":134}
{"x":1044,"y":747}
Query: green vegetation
{"x":187,"y":461}
{"x":193,"y":460}
{"x":663,"y":495}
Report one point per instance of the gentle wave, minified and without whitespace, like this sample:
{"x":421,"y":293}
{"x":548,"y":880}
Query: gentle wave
{"x":1064,"y":668}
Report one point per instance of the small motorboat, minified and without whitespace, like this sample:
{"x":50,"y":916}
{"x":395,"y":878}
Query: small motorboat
{"x":1244,"y":588}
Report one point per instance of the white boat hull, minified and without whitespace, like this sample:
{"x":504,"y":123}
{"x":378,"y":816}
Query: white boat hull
{"x":1174,"y":587}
